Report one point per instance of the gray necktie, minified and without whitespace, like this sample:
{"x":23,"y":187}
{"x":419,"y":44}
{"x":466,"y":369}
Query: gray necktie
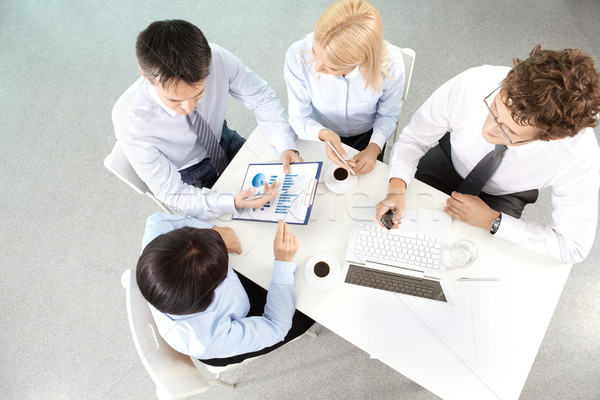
{"x":208,"y":141}
{"x":482,"y":172}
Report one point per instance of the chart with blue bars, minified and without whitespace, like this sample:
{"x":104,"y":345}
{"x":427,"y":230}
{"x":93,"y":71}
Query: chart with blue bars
{"x":286,"y":197}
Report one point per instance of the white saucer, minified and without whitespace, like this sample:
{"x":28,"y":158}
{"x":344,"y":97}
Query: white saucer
{"x":328,"y":281}
{"x":336,"y":186}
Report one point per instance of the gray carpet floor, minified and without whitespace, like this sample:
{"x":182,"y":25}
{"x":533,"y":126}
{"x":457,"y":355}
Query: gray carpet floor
{"x":70,"y":228}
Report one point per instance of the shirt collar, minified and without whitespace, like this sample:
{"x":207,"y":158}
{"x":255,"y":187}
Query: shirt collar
{"x":353,"y":73}
{"x":528,"y":148}
{"x":154,"y":95}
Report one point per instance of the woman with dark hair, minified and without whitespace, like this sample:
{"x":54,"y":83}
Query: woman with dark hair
{"x":205,"y":309}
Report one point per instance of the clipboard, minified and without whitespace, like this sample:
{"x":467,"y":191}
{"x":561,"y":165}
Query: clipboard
{"x":293,"y":203}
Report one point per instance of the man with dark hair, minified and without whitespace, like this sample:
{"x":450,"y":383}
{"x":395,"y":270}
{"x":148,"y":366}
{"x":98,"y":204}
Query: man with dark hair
{"x":171,"y":122}
{"x":503,"y":134}
{"x":202,"y":307}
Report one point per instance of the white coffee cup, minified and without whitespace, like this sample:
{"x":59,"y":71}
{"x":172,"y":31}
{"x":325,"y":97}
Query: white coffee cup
{"x":322,"y":271}
{"x":339,"y":180}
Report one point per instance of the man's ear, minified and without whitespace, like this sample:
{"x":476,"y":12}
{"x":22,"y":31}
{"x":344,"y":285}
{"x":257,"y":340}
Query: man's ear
{"x":145,"y":77}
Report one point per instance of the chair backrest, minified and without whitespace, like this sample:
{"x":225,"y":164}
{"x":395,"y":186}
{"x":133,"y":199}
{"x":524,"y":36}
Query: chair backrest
{"x":174,"y":374}
{"x":408,"y":56}
{"x":117,"y":163}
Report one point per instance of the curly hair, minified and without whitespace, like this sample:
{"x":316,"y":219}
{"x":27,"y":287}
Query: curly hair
{"x":555,"y":91}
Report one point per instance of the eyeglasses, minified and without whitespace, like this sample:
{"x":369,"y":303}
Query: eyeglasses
{"x":508,"y":139}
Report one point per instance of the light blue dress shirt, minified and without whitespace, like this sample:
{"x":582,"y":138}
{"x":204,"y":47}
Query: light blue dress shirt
{"x":223,"y":330}
{"x":158,"y":142}
{"x":341,"y":103}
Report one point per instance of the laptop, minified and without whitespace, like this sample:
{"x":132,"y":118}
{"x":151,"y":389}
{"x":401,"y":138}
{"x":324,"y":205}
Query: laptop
{"x":408,"y":261}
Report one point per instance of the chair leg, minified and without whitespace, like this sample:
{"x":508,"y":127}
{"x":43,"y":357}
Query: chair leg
{"x":220,"y":382}
{"x":311,"y":333}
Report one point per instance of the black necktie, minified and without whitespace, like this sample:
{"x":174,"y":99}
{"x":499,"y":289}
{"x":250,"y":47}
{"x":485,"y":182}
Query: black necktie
{"x":208,"y":141}
{"x":482,"y":172}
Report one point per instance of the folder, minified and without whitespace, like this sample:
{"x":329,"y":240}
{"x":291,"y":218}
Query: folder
{"x":293,"y":203}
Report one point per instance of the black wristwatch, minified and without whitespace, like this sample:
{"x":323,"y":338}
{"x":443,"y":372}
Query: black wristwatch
{"x":496,"y":224}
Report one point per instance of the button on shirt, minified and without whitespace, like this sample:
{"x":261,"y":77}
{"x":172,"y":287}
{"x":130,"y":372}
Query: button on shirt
{"x":158,"y":142}
{"x":570,"y":167}
{"x":342,"y":104}
{"x":223,"y":330}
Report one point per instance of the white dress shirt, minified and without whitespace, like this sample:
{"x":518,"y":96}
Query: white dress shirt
{"x":223,"y":330}
{"x":571,"y":166}
{"x":158,"y":142}
{"x":342,"y":104}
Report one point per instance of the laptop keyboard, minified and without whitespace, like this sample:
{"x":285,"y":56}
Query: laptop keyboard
{"x":407,"y":248}
{"x":429,"y":289}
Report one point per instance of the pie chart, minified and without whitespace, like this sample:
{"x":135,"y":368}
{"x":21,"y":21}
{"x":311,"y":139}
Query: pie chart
{"x":259,"y":180}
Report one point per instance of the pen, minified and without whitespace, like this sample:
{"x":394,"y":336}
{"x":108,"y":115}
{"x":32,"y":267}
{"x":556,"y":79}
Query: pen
{"x":258,"y":196}
{"x":340,"y":157}
{"x":465,"y":278}
{"x":292,"y":204}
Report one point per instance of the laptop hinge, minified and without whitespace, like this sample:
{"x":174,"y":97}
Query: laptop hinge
{"x":393,"y":270}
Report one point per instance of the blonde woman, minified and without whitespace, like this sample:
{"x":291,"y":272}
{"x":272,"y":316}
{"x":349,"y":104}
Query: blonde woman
{"x":345,"y":83}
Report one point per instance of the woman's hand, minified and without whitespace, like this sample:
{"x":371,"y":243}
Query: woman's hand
{"x":365,"y":160}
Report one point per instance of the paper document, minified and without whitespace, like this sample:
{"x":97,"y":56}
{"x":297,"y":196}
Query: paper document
{"x":409,"y":328}
{"x":294,"y":200}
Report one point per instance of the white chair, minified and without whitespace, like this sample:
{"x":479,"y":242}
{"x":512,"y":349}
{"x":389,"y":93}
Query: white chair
{"x":175,"y":375}
{"x":117,"y":163}
{"x":408,"y":56}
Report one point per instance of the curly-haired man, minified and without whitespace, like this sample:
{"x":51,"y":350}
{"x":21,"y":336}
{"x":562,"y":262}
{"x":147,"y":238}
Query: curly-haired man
{"x":535,"y":120}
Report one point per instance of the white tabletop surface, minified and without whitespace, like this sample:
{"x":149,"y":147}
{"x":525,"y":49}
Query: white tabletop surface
{"x":509,"y":317}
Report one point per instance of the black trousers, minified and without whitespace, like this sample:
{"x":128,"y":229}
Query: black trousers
{"x":258,"y":298}
{"x":204,"y":174}
{"x":360,"y":142}
{"x":435,"y":169}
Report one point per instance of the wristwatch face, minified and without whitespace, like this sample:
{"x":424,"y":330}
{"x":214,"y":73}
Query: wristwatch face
{"x":495,"y":225}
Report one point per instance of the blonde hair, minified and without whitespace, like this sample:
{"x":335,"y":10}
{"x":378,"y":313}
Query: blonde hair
{"x":350,"y":32}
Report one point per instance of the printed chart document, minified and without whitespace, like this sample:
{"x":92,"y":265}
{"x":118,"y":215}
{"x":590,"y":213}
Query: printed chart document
{"x":294,"y":200}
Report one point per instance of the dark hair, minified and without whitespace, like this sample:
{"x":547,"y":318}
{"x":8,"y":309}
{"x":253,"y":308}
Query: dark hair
{"x":173,"y":51}
{"x":178,"y":271}
{"x":556,"y":91}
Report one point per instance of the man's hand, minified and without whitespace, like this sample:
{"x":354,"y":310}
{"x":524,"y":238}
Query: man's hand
{"x":239,"y":200}
{"x":327,"y":135}
{"x":285,"y":245}
{"x":288,"y":157}
{"x":470,"y":209}
{"x":365,"y":160}
{"x":395,"y":201}
{"x":230,"y":238}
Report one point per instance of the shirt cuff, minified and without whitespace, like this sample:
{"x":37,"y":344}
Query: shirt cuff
{"x":226,"y":203}
{"x":379,"y":139}
{"x":284,"y":272}
{"x":284,"y":142}
{"x":313,"y":132}
{"x":511,"y":229}
{"x":404,"y":172}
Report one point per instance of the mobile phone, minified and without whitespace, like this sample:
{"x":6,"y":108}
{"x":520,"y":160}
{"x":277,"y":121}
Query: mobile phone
{"x":386,"y":219}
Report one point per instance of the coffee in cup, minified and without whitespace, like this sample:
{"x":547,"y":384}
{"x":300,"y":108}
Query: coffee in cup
{"x":321,"y":269}
{"x":340,"y":174}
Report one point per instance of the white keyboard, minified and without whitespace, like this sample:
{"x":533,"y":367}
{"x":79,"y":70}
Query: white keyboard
{"x":376,"y":243}
{"x":417,"y":245}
